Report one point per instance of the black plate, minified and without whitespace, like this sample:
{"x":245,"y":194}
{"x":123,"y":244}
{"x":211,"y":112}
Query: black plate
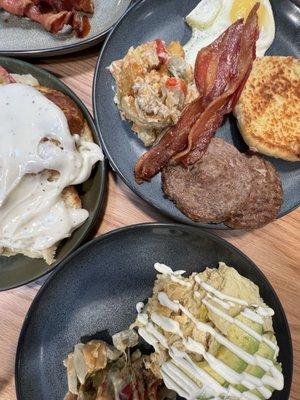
{"x":20,"y":37}
{"x":19,"y":270}
{"x":149,"y":20}
{"x":94,"y":292}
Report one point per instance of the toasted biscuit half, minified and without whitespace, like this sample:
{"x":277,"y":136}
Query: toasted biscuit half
{"x":268,"y":111}
{"x":70,"y":196}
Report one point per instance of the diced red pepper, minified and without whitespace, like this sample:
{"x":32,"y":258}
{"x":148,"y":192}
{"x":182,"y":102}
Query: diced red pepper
{"x":131,"y":390}
{"x":126,"y":393}
{"x":161,"y":51}
{"x":173,"y":83}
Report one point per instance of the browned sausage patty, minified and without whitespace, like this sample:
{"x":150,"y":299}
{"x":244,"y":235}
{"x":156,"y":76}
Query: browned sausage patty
{"x":265,"y":197}
{"x":213,"y":188}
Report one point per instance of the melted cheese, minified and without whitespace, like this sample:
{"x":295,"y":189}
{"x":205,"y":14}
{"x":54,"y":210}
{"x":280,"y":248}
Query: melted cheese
{"x":35,"y":138}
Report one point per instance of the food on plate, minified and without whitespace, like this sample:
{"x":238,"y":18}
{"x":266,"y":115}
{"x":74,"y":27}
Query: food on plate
{"x":208,"y":179}
{"x":53,"y":15}
{"x":211,"y":17}
{"x":47,"y":148}
{"x":212,"y":334}
{"x":213,"y":188}
{"x":268,"y":111}
{"x":221,"y":71}
{"x":153,"y":85}
{"x":99,"y":371}
{"x":243,"y":191}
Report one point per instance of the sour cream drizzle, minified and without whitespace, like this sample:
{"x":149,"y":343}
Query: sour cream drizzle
{"x":33,"y":215}
{"x":179,"y":371}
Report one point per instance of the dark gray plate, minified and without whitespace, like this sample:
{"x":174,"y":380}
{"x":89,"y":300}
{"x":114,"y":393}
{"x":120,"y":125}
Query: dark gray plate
{"x":18,"y":270}
{"x":22,"y":37}
{"x":149,"y":20}
{"x":94,"y":292}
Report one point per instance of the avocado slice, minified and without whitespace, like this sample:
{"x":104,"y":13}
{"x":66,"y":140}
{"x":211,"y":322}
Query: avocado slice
{"x":267,"y":352}
{"x":249,"y":344}
{"x":242,"y":339}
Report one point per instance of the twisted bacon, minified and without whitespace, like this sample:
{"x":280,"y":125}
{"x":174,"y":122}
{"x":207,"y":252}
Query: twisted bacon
{"x":86,"y":6}
{"x":16,"y":7}
{"x":52,"y":22}
{"x":53,"y":15}
{"x":221,"y":71}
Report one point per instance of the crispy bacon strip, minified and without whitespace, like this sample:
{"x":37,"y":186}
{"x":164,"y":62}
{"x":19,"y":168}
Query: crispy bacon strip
{"x":53,"y":15}
{"x":221,"y":71}
{"x":217,"y":63}
{"x":51,"y":22}
{"x":16,"y":7}
{"x":81,"y":25}
{"x":237,"y":74}
{"x":173,"y":141}
{"x":209,"y":84}
{"x":86,"y":6}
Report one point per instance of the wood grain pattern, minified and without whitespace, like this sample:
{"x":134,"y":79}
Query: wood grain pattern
{"x":274,"y":248}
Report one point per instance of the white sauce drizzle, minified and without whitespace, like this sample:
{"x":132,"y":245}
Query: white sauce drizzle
{"x":240,"y":324}
{"x":253,"y":316}
{"x":180,"y":281}
{"x":250,"y":314}
{"x":149,"y":338}
{"x":222,"y":303}
{"x":265,"y":311}
{"x":33,"y":215}
{"x":139,"y":307}
{"x":217,"y":293}
{"x":185,"y":363}
{"x":187,"y":386}
{"x":171,"y":384}
{"x":177,"y":372}
{"x":158,"y":336}
{"x":164,"y":269}
{"x":165,"y":301}
{"x":249,"y":381}
{"x":142,"y":318}
{"x":167,"y":324}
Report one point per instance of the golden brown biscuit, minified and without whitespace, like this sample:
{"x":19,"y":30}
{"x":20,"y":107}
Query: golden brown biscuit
{"x":268,"y":111}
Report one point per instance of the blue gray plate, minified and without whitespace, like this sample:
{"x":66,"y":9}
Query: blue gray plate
{"x":149,"y":20}
{"x":94,"y":292}
{"x":22,"y":37}
{"x":19,"y":270}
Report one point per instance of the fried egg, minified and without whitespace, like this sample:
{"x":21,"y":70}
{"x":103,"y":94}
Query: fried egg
{"x":212,"y":17}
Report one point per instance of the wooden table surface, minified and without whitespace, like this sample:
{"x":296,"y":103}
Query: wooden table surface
{"x":274,"y":248}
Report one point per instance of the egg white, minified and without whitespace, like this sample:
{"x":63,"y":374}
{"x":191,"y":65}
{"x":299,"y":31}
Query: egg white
{"x":212,"y":17}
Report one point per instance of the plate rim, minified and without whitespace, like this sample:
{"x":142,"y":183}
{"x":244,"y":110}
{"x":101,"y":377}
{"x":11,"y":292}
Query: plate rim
{"x":121,"y":230}
{"x":113,"y":164}
{"x":101,"y":195}
{"x":67,"y":48}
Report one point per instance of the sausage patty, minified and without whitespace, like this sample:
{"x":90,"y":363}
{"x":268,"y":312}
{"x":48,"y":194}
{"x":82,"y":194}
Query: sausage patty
{"x":213,"y":188}
{"x":265,"y":197}
{"x":243,"y":191}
